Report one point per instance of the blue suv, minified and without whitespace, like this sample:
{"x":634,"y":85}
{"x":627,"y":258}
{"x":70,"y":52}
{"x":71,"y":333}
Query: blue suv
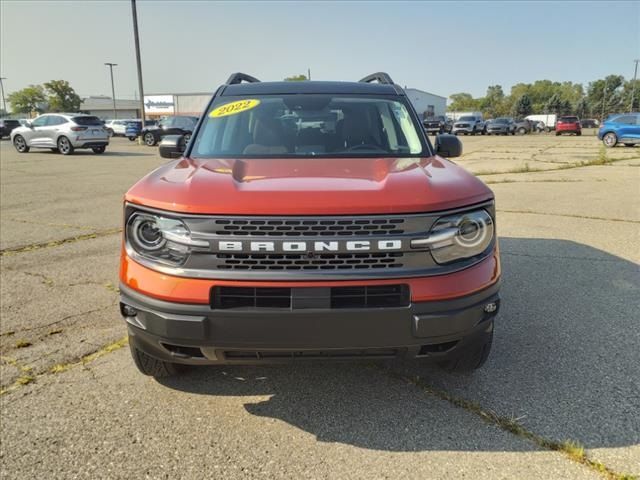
{"x":620,"y":128}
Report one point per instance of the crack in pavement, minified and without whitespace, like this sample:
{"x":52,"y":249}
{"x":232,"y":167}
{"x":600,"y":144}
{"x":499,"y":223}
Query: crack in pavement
{"x":568,"y":215}
{"x":57,"y":243}
{"x":571,"y":449}
{"x":38,"y":327}
{"x":88,"y":358}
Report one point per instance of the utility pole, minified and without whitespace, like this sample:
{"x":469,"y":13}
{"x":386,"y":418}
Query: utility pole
{"x":633,"y":88}
{"x":309,"y":73}
{"x":134,"y":14}
{"x":4,"y":103}
{"x":604,"y":98}
{"x":113,"y":90}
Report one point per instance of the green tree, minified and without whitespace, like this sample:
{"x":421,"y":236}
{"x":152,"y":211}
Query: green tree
{"x":493,"y":104}
{"x":62,"y":97}
{"x":627,"y":93}
{"x":554,"y":104}
{"x":523,"y":106}
{"x":463,"y":101}
{"x":28,"y":99}
{"x":582,"y":108}
{"x":296,"y":78}
{"x":605,"y":95}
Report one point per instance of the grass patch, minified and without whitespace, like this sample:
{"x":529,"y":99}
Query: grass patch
{"x":25,"y":380}
{"x":23,"y":344}
{"x":54,"y":332}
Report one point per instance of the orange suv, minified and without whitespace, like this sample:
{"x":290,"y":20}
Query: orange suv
{"x":309,"y":220}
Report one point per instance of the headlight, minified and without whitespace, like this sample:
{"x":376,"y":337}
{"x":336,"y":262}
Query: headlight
{"x":459,"y":236}
{"x":165,"y":240}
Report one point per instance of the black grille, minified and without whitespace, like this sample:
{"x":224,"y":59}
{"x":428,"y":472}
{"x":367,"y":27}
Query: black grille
{"x":325,"y":261}
{"x":310,"y":227}
{"x":375,"y":296}
{"x":310,"y":354}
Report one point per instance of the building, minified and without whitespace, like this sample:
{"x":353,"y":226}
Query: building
{"x":160,"y":105}
{"x":426,"y":104}
{"x":102,"y":107}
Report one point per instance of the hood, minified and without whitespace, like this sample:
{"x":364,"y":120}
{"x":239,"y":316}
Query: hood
{"x":309,"y":186}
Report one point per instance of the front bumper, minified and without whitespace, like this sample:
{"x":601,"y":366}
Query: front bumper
{"x":198,"y":334}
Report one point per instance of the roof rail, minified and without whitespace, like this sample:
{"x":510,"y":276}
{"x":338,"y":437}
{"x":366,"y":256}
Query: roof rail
{"x":239,"y":77}
{"x":380,"y":77}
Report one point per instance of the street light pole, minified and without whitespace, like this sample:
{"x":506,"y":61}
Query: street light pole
{"x":113,"y":90}
{"x":136,"y":38}
{"x":4,"y":103}
{"x":633,"y":88}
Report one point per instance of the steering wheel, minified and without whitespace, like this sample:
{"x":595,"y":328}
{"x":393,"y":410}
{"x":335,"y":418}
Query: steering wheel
{"x":365,"y":146}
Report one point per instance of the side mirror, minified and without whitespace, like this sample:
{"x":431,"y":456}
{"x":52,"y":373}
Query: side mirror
{"x":28,"y":124}
{"x":448,"y":145}
{"x":172,"y":146}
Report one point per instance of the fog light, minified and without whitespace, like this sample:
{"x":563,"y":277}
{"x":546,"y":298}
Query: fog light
{"x":129,"y":311}
{"x":490,"y":307}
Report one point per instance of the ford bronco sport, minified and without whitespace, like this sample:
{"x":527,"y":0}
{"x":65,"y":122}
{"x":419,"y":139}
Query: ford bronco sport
{"x":309,"y":220}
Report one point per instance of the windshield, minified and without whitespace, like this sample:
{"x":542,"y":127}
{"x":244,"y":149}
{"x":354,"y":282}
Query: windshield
{"x":501,"y":120}
{"x":467,"y":119}
{"x":87,"y":121}
{"x":306,"y":126}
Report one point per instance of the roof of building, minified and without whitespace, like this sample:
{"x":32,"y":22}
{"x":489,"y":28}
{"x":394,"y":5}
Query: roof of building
{"x":106,"y":103}
{"x":275,"y":88}
{"x":408,"y":89}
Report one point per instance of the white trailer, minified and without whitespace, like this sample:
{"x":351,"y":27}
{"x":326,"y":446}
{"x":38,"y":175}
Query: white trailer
{"x":548,"y":119}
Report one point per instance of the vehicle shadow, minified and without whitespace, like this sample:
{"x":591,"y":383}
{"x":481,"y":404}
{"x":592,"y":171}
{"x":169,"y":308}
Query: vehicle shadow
{"x":565,"y":362}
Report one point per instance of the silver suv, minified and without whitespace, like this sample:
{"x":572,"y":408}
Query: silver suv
{"x":469,"y":125}
{"x":61,"y":132}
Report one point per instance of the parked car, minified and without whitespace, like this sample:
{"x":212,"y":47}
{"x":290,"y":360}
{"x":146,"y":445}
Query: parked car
{"x":620,"y":128}
{"x":589,"y":123}
{"x":7,"y":125}
{"x":469,"y":125}
{"x":568,"y":124}
{"x":524,"y":126}
{"x":176,"y":125}
{"x":501,"y":126}
{"x":117,"y":128}
{"x":133,"y":129}
{"x":437,"y":124}
{"x":61,"y":132}
{"x":256,"y":243}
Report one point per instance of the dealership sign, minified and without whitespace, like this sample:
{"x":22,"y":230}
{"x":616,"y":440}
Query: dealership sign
{"x":159,"y":104}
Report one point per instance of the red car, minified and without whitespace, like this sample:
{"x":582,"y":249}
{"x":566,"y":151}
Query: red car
{"x":309,"y":220}
{"x":568,"y":125}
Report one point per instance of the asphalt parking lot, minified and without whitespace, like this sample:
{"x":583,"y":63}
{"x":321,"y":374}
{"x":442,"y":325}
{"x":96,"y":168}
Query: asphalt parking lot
{"x":564,"y":372}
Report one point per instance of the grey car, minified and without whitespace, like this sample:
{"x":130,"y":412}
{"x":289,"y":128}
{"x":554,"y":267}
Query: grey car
{"x":501,"y":126}
{"x":61,"y":132}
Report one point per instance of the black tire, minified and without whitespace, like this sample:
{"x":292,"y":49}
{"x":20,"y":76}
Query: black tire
{"x":610,"y":140}
{"x":132,"y":139}
{"x":150,"y":139}
{"x":557,"y":134}
{"x":579,"y":134}
{"x":64,"y":146}
{"x":152,"y":366}
{"x":472,"y":356}
{"x":522,"y":131}
{"x":21,"y":144}
{"x":99,"y":150}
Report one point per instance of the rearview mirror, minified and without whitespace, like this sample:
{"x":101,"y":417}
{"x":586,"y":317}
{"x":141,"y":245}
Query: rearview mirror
{"x":172,"y":146}
{"x":448,"y":145}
